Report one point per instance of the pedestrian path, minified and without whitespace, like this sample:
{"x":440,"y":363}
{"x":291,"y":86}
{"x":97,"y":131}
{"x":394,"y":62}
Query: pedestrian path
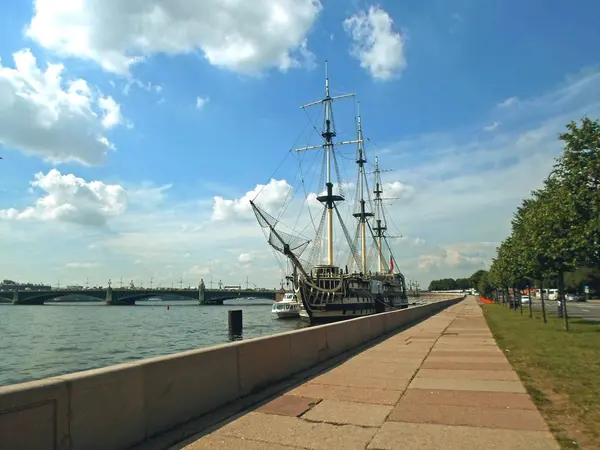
{"x":442,"y":384}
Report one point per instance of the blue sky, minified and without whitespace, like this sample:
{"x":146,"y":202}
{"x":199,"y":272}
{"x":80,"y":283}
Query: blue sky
{"x":462,"y":99}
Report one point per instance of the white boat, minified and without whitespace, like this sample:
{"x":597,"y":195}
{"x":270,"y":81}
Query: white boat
{"x":288,"y":307}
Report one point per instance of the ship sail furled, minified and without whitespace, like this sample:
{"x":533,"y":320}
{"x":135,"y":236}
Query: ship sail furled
{"x":328,"y":291}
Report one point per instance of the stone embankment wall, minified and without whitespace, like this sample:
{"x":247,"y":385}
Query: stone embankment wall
{"x":118,"y":406}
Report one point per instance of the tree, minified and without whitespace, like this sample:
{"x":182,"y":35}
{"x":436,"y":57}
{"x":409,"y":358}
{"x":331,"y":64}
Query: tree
{"x":463,"y":283}
{"x":581,"y":277}
{"x":556,"y":232}
{"x":498,"y":277}
{"x":484,"y":286}
{"x":445,"y":284}
{"x":578,"y":171}
{"x":476,"y":278}
{"x":532,"y":265}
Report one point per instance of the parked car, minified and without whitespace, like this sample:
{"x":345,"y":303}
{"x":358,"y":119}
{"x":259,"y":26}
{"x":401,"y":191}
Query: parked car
{"x":524,"y":299}
{"x":575,"y":298}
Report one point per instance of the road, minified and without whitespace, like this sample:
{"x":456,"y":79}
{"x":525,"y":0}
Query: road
{"x":584,"y":310}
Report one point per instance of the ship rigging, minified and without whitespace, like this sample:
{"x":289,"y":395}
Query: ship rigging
{"x":327,"y":291}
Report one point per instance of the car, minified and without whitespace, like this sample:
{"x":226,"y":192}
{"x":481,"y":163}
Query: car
{"x":524,"y":298}
{"x":575,"y":298}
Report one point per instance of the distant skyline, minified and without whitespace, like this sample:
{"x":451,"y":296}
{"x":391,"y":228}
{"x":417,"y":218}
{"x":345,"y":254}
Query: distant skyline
{"x":132,"y":138}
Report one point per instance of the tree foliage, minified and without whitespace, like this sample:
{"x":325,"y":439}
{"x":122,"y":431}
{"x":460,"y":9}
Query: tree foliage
{"x":451,"y":284}
{"x":557,"y":230}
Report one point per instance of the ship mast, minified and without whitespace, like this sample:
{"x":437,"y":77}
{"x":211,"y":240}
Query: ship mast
{"x":361,"y":214}
{"x":379,"y":228}
{"x":328,"y":200}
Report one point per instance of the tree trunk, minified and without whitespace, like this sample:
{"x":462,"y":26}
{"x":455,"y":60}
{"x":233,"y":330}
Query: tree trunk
{"x":563,"y":300}
{"x":530,"y":299}
{"x":517,"y":293}
{"x":543,"y":302}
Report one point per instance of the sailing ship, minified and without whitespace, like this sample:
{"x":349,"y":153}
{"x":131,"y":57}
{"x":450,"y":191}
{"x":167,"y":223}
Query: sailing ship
{"x":327,"y":291}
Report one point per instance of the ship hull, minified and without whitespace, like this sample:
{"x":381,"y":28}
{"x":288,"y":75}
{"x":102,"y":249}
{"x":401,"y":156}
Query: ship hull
{"x":341,"y":297}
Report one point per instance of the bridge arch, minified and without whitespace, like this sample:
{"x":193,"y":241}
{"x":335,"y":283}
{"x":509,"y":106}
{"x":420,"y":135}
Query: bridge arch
{"x":126,"y":298}
{"x":220,"y":297}
{"x":32,"y":298}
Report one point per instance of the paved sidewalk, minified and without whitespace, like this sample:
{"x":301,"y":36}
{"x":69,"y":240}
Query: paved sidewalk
{"x":442,"y":384}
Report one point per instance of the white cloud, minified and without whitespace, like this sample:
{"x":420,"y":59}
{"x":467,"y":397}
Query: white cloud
{"x":508,"y":102}
{"x":71,"y":199}
{"x":399,"y":190}
{"x":245,"y":258}
{"x":237,"y":35}
{"x":201,"y":102}
{"x":468,"y":185}
{"x":148,"y":86}
{"x":491,"y":127}
{"x":272,"y":196}
{"x":197,"y":271}
{"x":375,"y":44}
{"x":112,"y":112}
{"x":148,"y":196}
{"x":58,"y":121}
{"x":459,"y":257}
{"x":463,"y":187}
{"x":81,"y":265}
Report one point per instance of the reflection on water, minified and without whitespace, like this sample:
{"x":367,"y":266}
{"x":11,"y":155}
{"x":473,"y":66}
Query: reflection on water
{"x":58,"y":338}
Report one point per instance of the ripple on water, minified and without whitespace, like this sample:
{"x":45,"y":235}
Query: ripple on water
{"x":43,"y":341}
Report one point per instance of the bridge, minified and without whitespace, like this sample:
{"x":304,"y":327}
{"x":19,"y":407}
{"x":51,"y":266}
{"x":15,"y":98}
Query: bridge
{"x":128,"y":296}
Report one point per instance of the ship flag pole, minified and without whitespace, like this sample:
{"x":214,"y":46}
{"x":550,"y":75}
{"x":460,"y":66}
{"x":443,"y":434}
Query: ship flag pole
{"x":379,"y":228}
{"x":380,"y":225}
{"x":362,"y":215}
{"x":328,"y":200}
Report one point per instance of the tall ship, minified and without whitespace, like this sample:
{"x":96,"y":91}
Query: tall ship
{"x":367,"y":282}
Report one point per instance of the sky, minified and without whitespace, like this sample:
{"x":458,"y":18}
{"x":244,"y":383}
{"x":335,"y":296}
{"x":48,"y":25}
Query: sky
{"x":133,"y":134}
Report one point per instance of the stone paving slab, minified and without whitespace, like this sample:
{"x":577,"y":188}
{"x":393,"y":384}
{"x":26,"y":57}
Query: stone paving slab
{"x":412,"y":436}
{"x":339,"y":412}
{"x":469,"y":374}
{"x":442,"y":384}
{"x":458,"y":384}
{"x":364,"y":381}
{"x":347,"y":393}
{"x":289,"y":405}
{"x":465,"y":346}
{"x":405,"y":359}
{"x":503,"y":400}
{"x":466,"y":366}
{"x":377,"y":370}
{"x":297,"y":432}
{"x":512,"y":419}
{"x":466,"y":359}
{"x":214,"y":442}
{"x":486,"y":353}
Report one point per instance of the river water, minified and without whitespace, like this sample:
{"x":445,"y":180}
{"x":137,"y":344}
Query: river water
{"x":55,"y":339}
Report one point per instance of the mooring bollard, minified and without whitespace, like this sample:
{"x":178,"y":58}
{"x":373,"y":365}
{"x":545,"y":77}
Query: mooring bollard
{"x":235,"y":324}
